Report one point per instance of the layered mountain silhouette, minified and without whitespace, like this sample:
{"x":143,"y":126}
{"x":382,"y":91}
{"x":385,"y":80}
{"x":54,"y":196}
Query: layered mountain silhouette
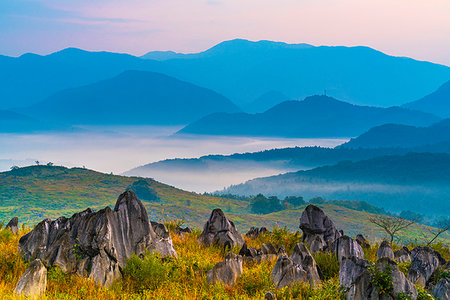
{"x":437,"y":103}
{"x":265,"y":102}
{"x":316,"y":116}
{"x":240,"y":70}
{"x":132,"y":98}
{"x":396,"y":135}
{"x":14,"y":122}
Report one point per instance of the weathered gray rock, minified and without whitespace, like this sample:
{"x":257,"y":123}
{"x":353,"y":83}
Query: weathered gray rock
{"x":249,"y":251}
{"x":362,"y":241}
{"x":424,"y":261}
{"x":345,"y":246}
{"x":219,"y":230}
{"x":363,"y":288}
{"x":95,"y":244}
{"x":315,"y":223}
{"x":227,"y":271}
{"x":317,"y":244}
{"x":442,"y":289}
{"x":350,"y":269}
{"x":182,"y":231}
{"x":33,"y":282}
{"x":163,"y":241}
{"x":266,"y":252}
{"x":270,"y":296}
{"x":13,"y":225}
{"x":302,"y":257}
{"x":286,"y":272}
{"x":385,"y":250}
{"x":268,"y":249}
{"x":281,"y":251}
{"x":255,"y":232}
{"x":402,"y":255}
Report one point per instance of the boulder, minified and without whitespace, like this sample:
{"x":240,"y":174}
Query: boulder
{"x":402,"y":255}
{"x":302,"y":257}
{"x":227,"y":271}
{"x":270,"y":296}
{"x":33,"y":282}
{"x":442,"y":289}
{"x":364,"y":289}
{"x":286,"y":272}
{"x":316,"y":224}
{"x":249,"y":251}
{"x":317,"y":244}
{"x":182,"y":231}
{"x":350,"y":269}
{"x":345,"y":246}
{"x":362,"y":241}
{"x":13,"y":225}
{"x":255,"y":232}
{"x":385,"y":250}
{"x":163,"y":241}
{"x":219,"y":230}
{"x":424,"y":261}
{"x":266,"y":252}
{"x":94,"y":244}
{"x":268,"y":249}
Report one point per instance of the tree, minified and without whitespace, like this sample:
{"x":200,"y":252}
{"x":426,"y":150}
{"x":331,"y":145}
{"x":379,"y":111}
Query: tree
{"x":391,"y":224}
{"x":37,"y":163}
{"x":14,"y":168}
{"x":440,"y":227}
{"x":294,"y":200}
{"x":262,"y":205}
{"x":50,"y":164}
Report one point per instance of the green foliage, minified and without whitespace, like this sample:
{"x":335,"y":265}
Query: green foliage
{"x":438,"y":275}
{"x":381,"y":279}
{"x":294,"y":201}
{"x":144,"y":191}
{"x":422,"y":294}
{"x":281,"y":236}
{"x":404,"y":267}
{"x":262,"y":205}
{"x":328,"y":264}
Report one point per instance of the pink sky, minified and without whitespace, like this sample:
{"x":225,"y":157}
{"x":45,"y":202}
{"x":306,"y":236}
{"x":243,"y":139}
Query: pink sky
{"x":414,"y":28}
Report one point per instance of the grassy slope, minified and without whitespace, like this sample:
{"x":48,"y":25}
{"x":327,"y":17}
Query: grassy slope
{"x":34,"y":193}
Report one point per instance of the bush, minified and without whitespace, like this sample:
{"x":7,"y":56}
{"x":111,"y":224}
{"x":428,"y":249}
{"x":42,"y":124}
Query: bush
{"x":381,"y":279}
{"x":262,"y":205}
{"x":328,"y":264}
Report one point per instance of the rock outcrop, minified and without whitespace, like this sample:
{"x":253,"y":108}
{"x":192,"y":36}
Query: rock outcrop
{"x":266,"y":252}
{"x":33,"y":282}
{"x":345,"y":246}
{"x":227,"y":271}
{"x":270,"y":296}
{"x":163,"y":242}
{"x":319,"y":231}
{"x":385,"y":250}
{"x":364,"y":288}
{"x":350,"y":269}
{"x":182,"y":231}
{"x":424,"y":261}
{"x":13,"y":225}
{"x":302,"y":257}
{"x":94,"y":244}
{"x":362,"y":241}
{"x":219,"y":230}
{"x":442,"y":289}
{"x":402,"y":255}
{"x":255,"y":232}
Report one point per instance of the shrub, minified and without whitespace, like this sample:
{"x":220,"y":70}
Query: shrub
{"x":422,"y":294}
{"x":328,"y":264}
{"x":404,"y":267}
{"x":381,"y":279}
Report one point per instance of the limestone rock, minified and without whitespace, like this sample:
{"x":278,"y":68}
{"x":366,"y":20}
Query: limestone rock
{"x":402,"y":255}
{"x":345,"y":246}
{"x":286,"y":272}
{"x":163,"y":241}
{"x":424,"y":261}
{"x":385,"y":250}
{"x":95,"y":244}
{"x":182,"y":231}
{"x":350,"y":269}
{"x":442,"y":289}
{"x":33,"y":282}
{"x":266,"y":252}
{"x":255,"y":232}
{"x":302,"y":257}
{"x":249,"y":251}
{"x":268,"y":249}
{"x":219,"y":230}
{"x":270,"y":296}
{"x":362,"y":241}
{"x":227,"y":271}
{"x":316,"y":224}
{"x":13,"y":225}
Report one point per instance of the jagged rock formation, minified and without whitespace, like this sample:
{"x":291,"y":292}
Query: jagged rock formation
{"x":362,"y":241}
{"x":402,"y":255}
{"x":364,"y":288}
{"x":182,"y":231}
{"x":350,"y":269}
{"x":219,"y":230}
{"x":163,"y":241}
{"x":424,"y":261}
{"x":267,"y":251}
{"x":385,"y":250}
{"x":319,"y":231}
{"x":301,"y":266}
{"x":33,"y":282}
{"x":345,"y":246}
{"x":442,"y":289}
{"x":94,"y":244}
{"x":13,"y":225}
{"x":255,"y":232}
{"x":227,"y":271}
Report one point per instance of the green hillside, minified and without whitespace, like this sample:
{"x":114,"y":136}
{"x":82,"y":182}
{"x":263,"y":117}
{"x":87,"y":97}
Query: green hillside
{"x":37,"y":192}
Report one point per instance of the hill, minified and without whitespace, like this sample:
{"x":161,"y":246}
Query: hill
{"x":240,"y":70}
{"x":14,"y":122}
{"x":265,"y":102}
{"x":417,"y":181}
{"x":437,"y":103}
{"x":396,"y":135}
{"x":316,"y":116}
{"x":36,"y":192}
{"x":133,"y":97}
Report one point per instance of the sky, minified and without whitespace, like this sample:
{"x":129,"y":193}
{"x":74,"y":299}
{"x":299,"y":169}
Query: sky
{"x":415,"y":28}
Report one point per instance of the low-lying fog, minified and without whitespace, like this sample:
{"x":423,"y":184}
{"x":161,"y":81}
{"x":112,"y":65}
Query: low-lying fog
{"x":119,"y":149}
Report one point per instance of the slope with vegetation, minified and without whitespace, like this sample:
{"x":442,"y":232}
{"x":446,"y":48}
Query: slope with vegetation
{"x":437,"y":103}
